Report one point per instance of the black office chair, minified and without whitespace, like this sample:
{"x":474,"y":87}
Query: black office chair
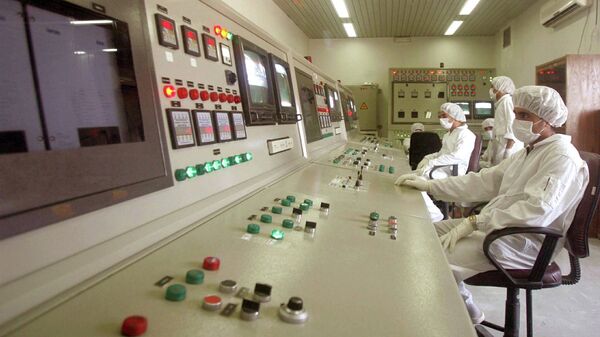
{"x":422,"y":144}
{"x":544,"y":273}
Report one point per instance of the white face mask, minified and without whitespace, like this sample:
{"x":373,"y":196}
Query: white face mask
{"x":488,"y":134}
{"x":492,"y":95}
{"x":523,"y":130}
{"x":445,"y":123}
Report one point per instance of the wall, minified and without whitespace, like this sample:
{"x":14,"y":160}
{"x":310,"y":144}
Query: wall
{"x":268,"y":16}
{"x":355,"y":61}
{"x":533,"y":44}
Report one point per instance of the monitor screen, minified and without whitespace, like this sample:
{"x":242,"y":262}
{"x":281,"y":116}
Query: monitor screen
{"x":483,"y":109}
{"x":256,"y":71}
{"x":465,"y":106}
{"x":283,"y":82}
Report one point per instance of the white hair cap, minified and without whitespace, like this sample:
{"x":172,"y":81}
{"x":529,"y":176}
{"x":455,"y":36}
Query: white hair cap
{"x":504,"y":84}
{"x":544,"y":102}
{"x":454,"y":110}
{"x":417,"y":126}
{"x":487,"y":123}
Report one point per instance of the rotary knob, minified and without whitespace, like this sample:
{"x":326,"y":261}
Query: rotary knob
{"x":293,"y":312}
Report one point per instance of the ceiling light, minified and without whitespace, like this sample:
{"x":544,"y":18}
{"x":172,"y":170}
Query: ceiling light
{"x":91,"y":22}
{"x":340,"y":8}
{"x":468,"y":7}
{"x":350,"y":30}
{"x":453,"y":27}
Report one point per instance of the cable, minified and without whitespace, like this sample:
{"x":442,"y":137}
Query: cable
{"x":587,"y":17}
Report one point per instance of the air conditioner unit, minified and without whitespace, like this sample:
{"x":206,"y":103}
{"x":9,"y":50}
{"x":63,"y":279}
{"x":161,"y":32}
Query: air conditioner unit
{"x":555,"y":11}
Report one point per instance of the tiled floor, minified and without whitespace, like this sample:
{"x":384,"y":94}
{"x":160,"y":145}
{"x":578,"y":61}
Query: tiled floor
{"x":560,"y":312}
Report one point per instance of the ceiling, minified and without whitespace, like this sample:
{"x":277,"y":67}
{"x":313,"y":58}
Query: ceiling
{"x":396,"y":18}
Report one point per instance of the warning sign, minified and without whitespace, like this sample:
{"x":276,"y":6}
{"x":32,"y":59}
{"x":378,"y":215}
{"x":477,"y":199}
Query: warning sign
{"x":364,"y":106}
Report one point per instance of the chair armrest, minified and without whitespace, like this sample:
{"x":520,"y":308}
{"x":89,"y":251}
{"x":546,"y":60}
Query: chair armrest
{"x":542,"y":260}
{"x":454,"y":169}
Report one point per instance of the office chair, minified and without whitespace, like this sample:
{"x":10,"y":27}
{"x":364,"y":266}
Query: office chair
{"x":422,"y":144}
{"x":544,"y":273}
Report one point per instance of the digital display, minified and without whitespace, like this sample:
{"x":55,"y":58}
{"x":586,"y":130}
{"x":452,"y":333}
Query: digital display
{"x":191,"y":45}
{"x":180,"y":125}
{"x":484,"y":109}
{"x":256,"y":72}
{"x":165,"y":28}
{"x":210,"y":47}
{"x":238,"y":125}
{"x":283,"y":82}
{"x":223,"y":126}
{"x":226,"y":54}
{"x":205,"y":127}
{"x":465,"y":106}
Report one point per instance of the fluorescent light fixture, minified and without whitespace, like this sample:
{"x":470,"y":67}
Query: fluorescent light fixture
{"x":91,"y":22}
{"x":468,"y":7}
{"x":453,"y":27}
{"x":79,"y":52}
{"x":350,"y":30}
{"x":340,"y":8}
{"x":110,"y":50}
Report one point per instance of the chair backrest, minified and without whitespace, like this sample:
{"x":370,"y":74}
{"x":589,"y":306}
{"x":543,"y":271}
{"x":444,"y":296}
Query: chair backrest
{"x":422,"y":144}
{"x":474,"y":160}
{"x":577,"y":236}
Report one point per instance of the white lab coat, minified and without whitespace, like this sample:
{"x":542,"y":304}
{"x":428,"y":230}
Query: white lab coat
{"x":503,"y":130}
{"x":541,"y":188}
{"x":457,"y":146}
{"x":406,"y":144}
{"x":488,"y":157}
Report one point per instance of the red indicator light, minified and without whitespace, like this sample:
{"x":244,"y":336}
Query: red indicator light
{"x":472,"y":93}
{"x":223,"y":97}
{"x":217,"y":29}
{"x":167,"y":25}
{"x":169,"y":91}
{"x":237,"y":99}
{"x":230,"y":98}
{"x":214,"y":96}
{"x":211,"y":42}
{"x":194,"y":94}
{"x":182,"y":93}
{"x":349,"y":113}
{"x":191,"y":35}
{"x":204,"y":95}
{"x":472,"y":86}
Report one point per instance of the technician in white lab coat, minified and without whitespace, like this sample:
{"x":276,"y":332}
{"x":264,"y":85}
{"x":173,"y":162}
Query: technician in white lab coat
{"x":415,"y":127}
{"x":488,"y":134}
{"x":540,"y":186}
{"x":500,"y":92}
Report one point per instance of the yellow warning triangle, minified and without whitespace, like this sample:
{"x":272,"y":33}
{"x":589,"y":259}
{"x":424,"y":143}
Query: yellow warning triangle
{"x":364,"y":106}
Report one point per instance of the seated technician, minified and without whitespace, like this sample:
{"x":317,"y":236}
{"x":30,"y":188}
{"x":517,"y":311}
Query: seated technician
{"x":415,"y":127}
{"x":540,"y":186}
{"x":487,"y":158}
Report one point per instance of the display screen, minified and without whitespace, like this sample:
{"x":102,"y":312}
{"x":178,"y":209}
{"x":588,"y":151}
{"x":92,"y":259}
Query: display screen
{"x":190,"y":41}
{"x":283,"y":82}
{"x":483,"y":109}
{"x":465,"y":106}
{"x":205,"y":128}
{"x":223,"y":126}
{"x":238,"y":125}
{"x":226,"y":54}
{"x":84,"y":79}
{"x":180,"y":123}
{"x":210,"y":47}
{"x":256,"y":72}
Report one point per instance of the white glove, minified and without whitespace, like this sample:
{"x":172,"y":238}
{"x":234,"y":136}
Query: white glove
{"x":463,"y":229}
{"x":404,"y":177}
{"x":418,"y":183}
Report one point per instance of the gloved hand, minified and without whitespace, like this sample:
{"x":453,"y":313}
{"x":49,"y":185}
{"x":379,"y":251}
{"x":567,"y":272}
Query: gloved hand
{"x":463,"y":229}
{"x":418,"y":183}
{"x":404,"y":177}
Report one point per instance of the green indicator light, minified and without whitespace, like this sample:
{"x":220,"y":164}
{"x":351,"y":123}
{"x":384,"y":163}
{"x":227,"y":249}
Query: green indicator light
{"x":190,"y":171}
{"x":381,"y":168}
{"x":225,"y":162}
{"x":200,"y":169}
{"x":374,"y":216}
{"x":238,"y":159}
{"x":253,"y":228}
{"x":277,"y":234}
{"x":248,"y":156}
{"x":391,"y":169}
{"x":208,"y":167}
{"x":232,"y":161}
{"x":180,"y":175}
{"x":216,"y":165}
{"x":229,"y":36}
{"x":308,"y":201}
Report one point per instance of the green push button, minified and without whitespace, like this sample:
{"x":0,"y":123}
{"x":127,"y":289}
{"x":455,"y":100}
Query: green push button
{"x":304,"y":206}
{"x":208,"y":168}
{"x":391,"y":170}
{"x":266,"y":218}
{"x":291,"y":198}
{"x":253,"y":228}
{"x":190,"y":171}
{"x":200,"y":169}
{"x":381,"y":168}
{"x":285,"y":202}
{"x":216,"y":165}
{"x":175,"y":293}
{"x":225,"y":162}
{"x":180,"y":175}
{"x":308,"y":201}
{"x":194,"y":276}
{"x":238,"y":159}
{"x":374,"y":216}
{"x":276,"y":210}
{"x":287,"y":223}
{"x":277,"y":234}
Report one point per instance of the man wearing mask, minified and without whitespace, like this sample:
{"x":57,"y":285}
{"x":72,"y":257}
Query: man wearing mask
{"x":500,"y":92}
{"x":540,"y":186}
{"x":488,"y":134}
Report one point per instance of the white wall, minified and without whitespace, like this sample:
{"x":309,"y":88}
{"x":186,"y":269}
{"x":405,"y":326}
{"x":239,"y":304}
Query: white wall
{"x":355,"y":61}
{"x":268,"y":16}
{"x":533,"y":44}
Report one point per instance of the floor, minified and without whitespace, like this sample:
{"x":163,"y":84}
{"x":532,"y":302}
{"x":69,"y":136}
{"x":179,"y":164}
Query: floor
{"x":563,"y":311}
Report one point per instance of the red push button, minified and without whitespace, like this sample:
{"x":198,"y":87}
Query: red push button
{"x":214,"y":96}
{"x":237,"y":99}
{"x":134,"y":326}
{"x":223,"y":97}
{"x":194,"y":94}
{"x":472,"y":93}
{"x":169,"y":91}
{"x":230,"y":98}
{"x":211,"y":263}
{"x":182,"y":93}
{"x":204,"y":95}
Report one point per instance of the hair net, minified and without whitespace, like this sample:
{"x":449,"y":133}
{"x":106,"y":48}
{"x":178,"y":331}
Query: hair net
{"x":504,"y":84}
{"x":455,"y":111}
{"x":544,"y":102}
{"x":417,"y":126}
{"x":487,"y":123}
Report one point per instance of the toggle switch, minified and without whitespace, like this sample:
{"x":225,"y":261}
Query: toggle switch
{"x":310,"y":227}
{"x":293,"y":312}
{"x":250,"y":310}
{"x":262,"y":292}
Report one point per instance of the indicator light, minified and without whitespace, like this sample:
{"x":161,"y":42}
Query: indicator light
{"x":225,"y":162}
{"x":229,"y":36}
{"x":217,"y":29}
{"x":200,"y":169}
{"x":182,"y":93}
{"x":237,"y":99}
{"x":230,"y":98}
{"x":194,"y":94}
{"x":237,"y":159}
{"x":224,"y":33}
{"x":204,"y":95}
{"x":223,"y":97}
{"x":277,"y":234}
{"x":190,"y":171}
{"x":248,"y":156}
{"x":216,"y":165}
{"x":169,"y":91}
{"x":214,"y":96}
{"x":180,"y":175}
{"x":208,"y":167}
